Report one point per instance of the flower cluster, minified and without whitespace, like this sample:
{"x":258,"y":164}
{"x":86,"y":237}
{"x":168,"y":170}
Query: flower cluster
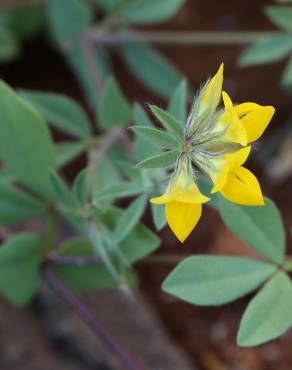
{"x":217,"y":144}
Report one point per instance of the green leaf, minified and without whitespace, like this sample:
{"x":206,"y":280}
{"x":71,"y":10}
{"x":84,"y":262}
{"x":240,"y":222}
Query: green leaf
{"x":19,"y":260}
{"x":269,"y":314}
{"x":61,"y":191}
{"x":25,"y":22}
{"x":10,"y":47}
{"x":267,"y":50}
{"x":80,"y":186}
{"x":168,"y":121}
{"x":105,"y":174}
{"x":215,"y":280}
{"x":158,"y":214}
{"x":178,"y":103}
{"x":161,"y":160}
{"x":84,"y":278}
{"x":68,"y":18}
{"x":281,"y":16}
{"x":118,"y":190}
{"x":60,"y":111}
{"x":17,"y":206}
{"x":25,"y":143}
{"x":141,"y":147}
{"x":113,"y":109}
{"x":150,"y":11}
{"x":67,"y":151}
{"x":287,"y":75}
{"x":76,"y":58}
{"x":129,"y":218}
{"x":151,"y":68}
{"x":260,"y":227}
{"x":139,"y":243}
{"x":158,"y":137}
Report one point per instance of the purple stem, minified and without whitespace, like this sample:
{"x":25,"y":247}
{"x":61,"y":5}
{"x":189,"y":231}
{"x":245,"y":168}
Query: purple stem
{"x":90,"y":320}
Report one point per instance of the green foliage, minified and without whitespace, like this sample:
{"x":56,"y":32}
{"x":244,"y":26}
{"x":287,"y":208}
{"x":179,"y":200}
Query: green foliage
{"x":281,"y":16}
{"x":157,"y":137}
{"x":60,"y":111}
{"x":214,"y":280}
{"x":78,"y":18}
{"x":10,"y":47}
{"x":82,"y":278}
{"x":61,"y":191}
{"x":267,"y":50}
{"x":80,"y":187}
{"x":169,"y":122}
{"x":178,"y":103}
{"x":117,"y":190}
{"x":129,"y":218}
{"x":139,"y":243}
{"x":16,"y":205}
{"x":142,"y":147}
{"x":150,"y":11}
{"x":161,"y":160}
{"x":269,"y":314}
{"x":151,"y":68}
{"x":67,"y":151}
{"x":25,"y":142}
{"x":260,"y":227}
{"x":113,"y":110}
{"x":19,"y":260}
{"x":158,"y":215}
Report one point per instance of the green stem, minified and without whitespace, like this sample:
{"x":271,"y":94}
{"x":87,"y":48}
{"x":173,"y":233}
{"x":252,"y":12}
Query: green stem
{"x":177,"y":37}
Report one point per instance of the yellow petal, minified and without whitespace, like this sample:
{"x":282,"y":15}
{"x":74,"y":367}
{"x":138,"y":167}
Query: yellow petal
{"x":227,"y":101}
{"x":219,"y":179}
{"x":257,"y":121}
{"x":245,"y":108}
{"x":182,"y":218}
{"x":235,"y":131}
{"x":211,"y":93}
{"x":160,"y":200}
{"x":243,"y":188}
{"x":236,"y":159}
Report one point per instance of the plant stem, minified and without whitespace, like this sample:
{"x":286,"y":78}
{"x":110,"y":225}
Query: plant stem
{"x":91,"y":260}
{"x":177,"y":37}
{"x":88,"y":317}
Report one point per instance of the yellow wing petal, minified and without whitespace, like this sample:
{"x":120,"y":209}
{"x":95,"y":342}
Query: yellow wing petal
{"x":182,"y":218}
{"x":219,"y":179}
{"x":245,"y":108}
{"x":243,"y":188}
{"x":238,"y":158}
{"x":257,"y":121}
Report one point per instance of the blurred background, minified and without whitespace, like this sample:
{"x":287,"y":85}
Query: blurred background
{"x":162,"y":332}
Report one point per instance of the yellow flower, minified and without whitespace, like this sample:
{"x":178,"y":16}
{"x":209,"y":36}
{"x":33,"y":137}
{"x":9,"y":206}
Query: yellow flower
{"x":255,"y":119}
{"x":183,"y":203}
{"x":237,"y":183}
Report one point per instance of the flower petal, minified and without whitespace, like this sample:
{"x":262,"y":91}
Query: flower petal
{"x":219,"y":179}
{"x":245,"y":108}
{"x":182,"y":218}
{"x":243,"y":188}
{"x":257,"y":121}
{"x":236,"y":159}
{"x":235,"y":130}
{"x":160,"y":200}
